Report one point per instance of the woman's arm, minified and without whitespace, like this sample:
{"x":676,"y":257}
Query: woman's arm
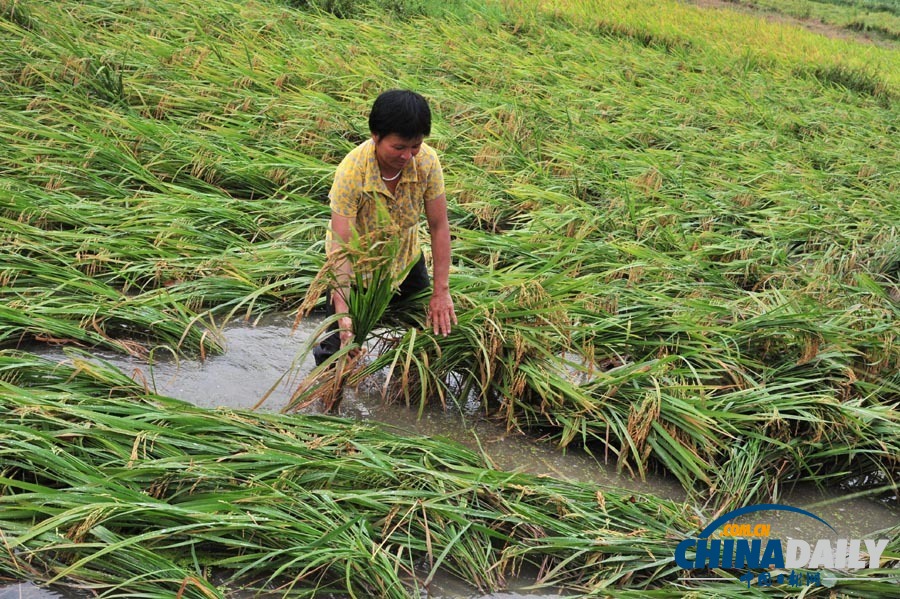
{"x":440,"y":309}
{"x":341,"y":227}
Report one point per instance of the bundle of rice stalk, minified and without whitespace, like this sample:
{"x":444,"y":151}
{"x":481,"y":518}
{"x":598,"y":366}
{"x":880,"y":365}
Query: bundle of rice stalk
{"x":362,"y":270}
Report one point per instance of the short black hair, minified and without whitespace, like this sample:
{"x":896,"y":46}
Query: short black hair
{"x":400,"y":111}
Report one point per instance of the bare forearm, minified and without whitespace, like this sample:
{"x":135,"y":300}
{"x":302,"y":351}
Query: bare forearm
{"x":342,"y":269}
{"x":343,"y":273}
{"x":441,"y":315}
{"x":440,"y":253}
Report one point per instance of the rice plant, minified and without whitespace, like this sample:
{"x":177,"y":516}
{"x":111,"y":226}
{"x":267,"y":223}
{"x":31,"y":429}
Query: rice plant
{"x":876,"y":17}
{"x":109,"y":488}
{"x":675,"y":230}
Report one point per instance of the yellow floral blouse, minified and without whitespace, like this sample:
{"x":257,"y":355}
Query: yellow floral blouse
{"x":358,"y":189}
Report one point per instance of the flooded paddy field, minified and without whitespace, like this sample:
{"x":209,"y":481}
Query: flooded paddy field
{"x":264,"y":358}
{"x":675,"y":241}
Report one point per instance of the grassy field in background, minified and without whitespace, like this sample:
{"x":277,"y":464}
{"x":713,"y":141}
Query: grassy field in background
{"x":880,"y":18}
{"x":675,"y":235}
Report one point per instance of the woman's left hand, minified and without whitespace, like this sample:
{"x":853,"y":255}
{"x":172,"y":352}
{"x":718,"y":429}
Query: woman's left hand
{"x":441,"y":315}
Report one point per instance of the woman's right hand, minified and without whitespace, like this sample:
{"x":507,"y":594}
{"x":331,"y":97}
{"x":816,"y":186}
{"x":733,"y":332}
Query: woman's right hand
{"x":345,"y":326}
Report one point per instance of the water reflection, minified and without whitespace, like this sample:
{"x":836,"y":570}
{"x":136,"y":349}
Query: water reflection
{"x":27,"y":591}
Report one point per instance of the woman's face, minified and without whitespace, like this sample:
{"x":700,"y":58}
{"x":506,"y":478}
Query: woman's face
{"x":393,"y":152}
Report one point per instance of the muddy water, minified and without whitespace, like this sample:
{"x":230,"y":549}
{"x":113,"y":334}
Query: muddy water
{"x":266,"y":358}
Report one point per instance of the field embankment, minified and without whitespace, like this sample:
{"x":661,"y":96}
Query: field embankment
{"x":875,"y":20}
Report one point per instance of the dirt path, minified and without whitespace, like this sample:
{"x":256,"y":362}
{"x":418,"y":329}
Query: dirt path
{"x":814,"y":25}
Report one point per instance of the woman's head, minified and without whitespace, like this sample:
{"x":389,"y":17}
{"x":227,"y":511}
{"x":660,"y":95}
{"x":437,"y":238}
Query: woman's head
{"x":402,"y":112}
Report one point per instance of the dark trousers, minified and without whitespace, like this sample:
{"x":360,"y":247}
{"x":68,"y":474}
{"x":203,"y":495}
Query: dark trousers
{"x":415,"y":282}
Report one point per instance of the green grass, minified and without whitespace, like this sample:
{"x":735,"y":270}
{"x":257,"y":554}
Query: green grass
{"x":109,"y":488}
{"x":675,"y":230}
{"x":880,"y":18}
{"x":134,"y":493}
{"x":402,"y":9}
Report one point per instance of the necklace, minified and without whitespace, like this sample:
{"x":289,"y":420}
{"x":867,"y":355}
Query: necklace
{"x":394,"y":178}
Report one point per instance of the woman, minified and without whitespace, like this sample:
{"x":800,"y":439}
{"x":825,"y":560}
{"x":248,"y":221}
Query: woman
{"x":396,"y":173}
